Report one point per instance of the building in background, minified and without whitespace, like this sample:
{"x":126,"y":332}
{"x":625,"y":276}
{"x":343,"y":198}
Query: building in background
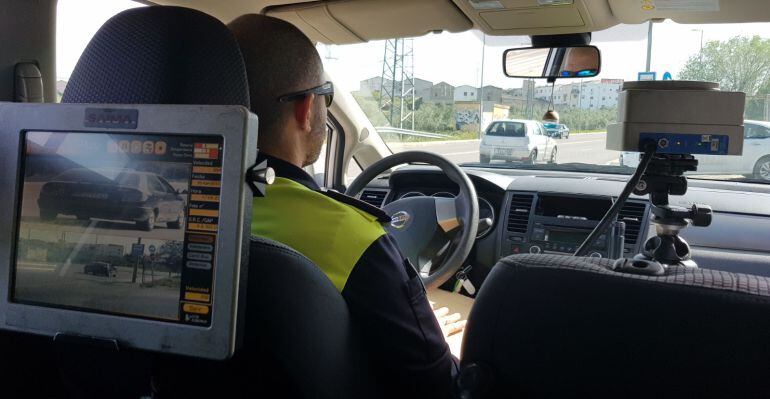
{"x":442,"y":93}
{"x":372,"y":85}
{"x":422,"y":88}
{"x":591,"y":95}
{"x":492,"y":93}
{"x":367,"y":87}
{"x":466,"y":93}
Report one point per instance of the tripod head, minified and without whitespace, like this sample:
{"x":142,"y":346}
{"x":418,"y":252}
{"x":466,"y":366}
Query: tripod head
{"x":664,"y":176}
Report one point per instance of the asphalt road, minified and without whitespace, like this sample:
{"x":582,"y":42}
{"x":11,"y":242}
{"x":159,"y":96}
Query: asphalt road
{"x":585,"y":148}
{"x":67,"y":285}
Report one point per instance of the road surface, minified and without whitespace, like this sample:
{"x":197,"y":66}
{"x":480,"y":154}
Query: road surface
{"x":68,"y":285}
{"x":585,"y":148}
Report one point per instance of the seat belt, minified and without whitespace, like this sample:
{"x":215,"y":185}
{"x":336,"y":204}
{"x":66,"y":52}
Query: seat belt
{"x":28,"y":83}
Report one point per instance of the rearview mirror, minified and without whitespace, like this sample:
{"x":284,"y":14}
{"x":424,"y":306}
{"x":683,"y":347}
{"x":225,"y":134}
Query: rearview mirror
{"x":552,"y":62}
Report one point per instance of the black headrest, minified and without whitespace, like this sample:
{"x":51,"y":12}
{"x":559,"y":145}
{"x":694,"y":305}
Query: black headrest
{"x":160,"y":55}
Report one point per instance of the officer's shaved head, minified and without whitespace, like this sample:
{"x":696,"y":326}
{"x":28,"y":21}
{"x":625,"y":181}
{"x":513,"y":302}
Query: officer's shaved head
{"x":280,"y":60}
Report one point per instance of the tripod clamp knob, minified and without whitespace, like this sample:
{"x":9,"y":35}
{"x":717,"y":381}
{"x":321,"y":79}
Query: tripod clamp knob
{"x":700,"y":215}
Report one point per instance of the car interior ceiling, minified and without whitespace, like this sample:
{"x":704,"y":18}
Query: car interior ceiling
{"x":541,"y":323}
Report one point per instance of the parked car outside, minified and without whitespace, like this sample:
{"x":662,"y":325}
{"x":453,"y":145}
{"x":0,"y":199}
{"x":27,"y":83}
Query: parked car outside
{"x":755,"y":160}
{"x":113,"y":194}
{"x":100,"y":269}
{"x":555,"y":130}
{"x":517,"y":140}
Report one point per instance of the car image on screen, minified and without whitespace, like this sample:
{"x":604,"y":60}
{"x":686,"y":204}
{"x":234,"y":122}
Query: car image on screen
{"x":115,"y":195}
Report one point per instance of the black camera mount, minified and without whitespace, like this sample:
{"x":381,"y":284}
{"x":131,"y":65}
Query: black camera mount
{"x":664,"y":176}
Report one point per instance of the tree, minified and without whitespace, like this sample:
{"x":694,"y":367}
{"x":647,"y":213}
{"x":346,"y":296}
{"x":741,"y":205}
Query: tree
{"x":739,"y":64}
{"x":436,"y":118}
{"x":372,"y":110}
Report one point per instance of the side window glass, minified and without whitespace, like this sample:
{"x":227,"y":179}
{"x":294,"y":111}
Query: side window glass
{"x":763,"y":132}
{"x":354,"y":169}
{"x":155,"y":184}
{"x":166,"y":185}
{"x":749,"y":131}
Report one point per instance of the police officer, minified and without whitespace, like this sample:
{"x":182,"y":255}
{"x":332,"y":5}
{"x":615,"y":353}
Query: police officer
{"x":344,"y":237}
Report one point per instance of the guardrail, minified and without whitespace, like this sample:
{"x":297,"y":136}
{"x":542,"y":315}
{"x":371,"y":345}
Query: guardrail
{"x":405,"y":132}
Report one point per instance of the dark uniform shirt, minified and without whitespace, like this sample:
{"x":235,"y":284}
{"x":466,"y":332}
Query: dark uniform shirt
{"x":344,"y":237}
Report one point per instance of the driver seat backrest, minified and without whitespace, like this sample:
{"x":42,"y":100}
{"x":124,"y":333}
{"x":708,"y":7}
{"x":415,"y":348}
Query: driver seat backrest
{"x":562,"y":326}
{"x":297,"y":327}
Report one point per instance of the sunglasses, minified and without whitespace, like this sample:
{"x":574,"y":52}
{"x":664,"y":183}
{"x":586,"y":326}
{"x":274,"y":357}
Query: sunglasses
{"x":326,"y":90}
{"x":583,"y":73}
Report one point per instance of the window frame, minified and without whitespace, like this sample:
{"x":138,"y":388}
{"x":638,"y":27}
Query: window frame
{"x":334,"y":173}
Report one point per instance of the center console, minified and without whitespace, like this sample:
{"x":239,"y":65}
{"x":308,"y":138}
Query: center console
{"x":558,"y":223}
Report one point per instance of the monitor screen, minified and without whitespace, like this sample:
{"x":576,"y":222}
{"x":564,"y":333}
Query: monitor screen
{"x":121,"y":224}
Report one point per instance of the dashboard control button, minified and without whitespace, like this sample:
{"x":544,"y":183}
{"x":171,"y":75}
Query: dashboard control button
{"x":517,"y":239}
{"x":535,"y":249}
{"x":595,"y":254}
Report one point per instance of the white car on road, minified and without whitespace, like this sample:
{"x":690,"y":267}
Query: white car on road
{"x":517,"y":140}
{"x":755,"y":160}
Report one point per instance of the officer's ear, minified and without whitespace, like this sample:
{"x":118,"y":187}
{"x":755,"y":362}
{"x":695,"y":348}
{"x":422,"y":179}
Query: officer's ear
{"x":303,"y":112}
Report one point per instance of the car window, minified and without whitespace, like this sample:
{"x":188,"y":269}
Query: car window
{"x":756,"y":131}
{"x":129,"y":180}
{"x":166,"y":185}
{"x":76,"y":23}
{"x":155,"y":184}
{"x":507,"y":129}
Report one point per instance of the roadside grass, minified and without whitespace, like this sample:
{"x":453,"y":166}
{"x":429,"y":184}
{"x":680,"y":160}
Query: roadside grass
{"x":587,"y":131}
{"x":453,"y":135}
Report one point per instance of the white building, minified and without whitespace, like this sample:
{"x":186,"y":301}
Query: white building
{"x":600,"y":94}
{"x":466,"y":93}
{"x":593,"y":95}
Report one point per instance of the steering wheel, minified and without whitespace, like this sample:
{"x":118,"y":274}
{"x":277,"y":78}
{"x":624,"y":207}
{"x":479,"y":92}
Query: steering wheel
{"x":435,"y":234}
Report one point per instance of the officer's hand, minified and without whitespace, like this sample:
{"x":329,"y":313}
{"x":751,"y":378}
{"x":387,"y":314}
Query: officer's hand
{"x":450,"y":323}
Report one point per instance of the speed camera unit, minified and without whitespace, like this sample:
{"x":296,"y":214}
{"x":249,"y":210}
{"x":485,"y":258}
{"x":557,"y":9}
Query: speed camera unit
{"x":680,"y":117}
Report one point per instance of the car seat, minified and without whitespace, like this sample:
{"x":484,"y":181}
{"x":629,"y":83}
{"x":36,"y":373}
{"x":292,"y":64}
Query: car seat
{"x":563,"y":326}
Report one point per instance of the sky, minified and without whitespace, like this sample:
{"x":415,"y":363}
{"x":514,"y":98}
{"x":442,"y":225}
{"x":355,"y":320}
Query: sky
{"x":455,"y":58}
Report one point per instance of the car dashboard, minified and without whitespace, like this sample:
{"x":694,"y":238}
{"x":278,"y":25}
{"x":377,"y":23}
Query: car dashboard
{"x":552,"y":212}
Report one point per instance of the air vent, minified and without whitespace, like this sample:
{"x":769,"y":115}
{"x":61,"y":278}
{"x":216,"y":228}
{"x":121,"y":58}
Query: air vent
{"x":374,"y":197}
{"x":518,"y":217}
{"x":633,"y":214}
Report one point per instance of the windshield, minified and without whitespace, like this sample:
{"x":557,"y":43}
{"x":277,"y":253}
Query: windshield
{"x":447,"y":93}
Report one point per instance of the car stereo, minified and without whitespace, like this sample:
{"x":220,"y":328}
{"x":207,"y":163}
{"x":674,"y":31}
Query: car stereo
{"x":562,"y":240}
{"x":119,"y":230}
{"x":559,"y":223}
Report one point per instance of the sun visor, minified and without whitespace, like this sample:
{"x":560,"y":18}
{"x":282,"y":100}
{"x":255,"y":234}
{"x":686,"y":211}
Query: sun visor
{"x":344,"y":22}
{"x":691,"y":11}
